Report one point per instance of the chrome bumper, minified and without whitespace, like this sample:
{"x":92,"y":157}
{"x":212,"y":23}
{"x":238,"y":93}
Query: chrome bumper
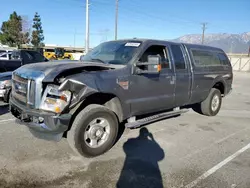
{"x":44,"y":125}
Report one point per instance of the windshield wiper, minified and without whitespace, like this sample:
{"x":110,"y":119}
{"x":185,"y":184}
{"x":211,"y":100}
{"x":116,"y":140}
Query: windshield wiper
{"x":98,"y":60}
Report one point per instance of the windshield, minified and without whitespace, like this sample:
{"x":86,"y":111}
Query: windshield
{"x":59,"y":51}
{"x":114,"y":52}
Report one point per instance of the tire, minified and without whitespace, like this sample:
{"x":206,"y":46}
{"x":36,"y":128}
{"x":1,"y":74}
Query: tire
{"x":208,"y":107}
{"x":82,"y":124}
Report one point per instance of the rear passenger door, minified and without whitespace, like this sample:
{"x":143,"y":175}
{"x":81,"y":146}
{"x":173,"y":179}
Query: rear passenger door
{"x":182,"y":75}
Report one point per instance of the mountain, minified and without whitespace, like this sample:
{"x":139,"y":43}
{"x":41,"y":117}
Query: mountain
{"x":235,"y":43}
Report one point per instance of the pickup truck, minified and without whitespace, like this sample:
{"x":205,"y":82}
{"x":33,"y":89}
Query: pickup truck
{"x":123,"y":82}
{"x":19,"y":58}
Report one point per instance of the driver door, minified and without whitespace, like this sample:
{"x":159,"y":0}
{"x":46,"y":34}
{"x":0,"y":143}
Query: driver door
{"x":153,"y":92}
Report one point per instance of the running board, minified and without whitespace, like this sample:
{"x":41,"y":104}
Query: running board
{"x":153,"y":118}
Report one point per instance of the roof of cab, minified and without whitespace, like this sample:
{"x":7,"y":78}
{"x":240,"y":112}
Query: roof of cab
{"x":189,"y":45}
{"x":202,"y":46}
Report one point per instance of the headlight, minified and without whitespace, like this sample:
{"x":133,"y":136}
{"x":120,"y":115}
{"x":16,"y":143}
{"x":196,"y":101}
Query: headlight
{"x":54,"y":100}
{"x":5,"y":83}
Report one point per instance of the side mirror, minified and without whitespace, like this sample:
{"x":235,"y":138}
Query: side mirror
{"x":152,"y":66}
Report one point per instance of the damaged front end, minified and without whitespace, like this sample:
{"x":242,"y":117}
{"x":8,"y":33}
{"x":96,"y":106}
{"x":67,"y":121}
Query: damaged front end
{"x":45,"y":106}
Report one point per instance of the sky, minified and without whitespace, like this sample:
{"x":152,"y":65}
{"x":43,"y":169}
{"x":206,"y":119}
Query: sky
{"x":63,"y":21}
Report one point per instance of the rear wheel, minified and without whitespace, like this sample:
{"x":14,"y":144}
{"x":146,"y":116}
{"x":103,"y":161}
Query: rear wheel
{"x":94,"y":131}
{"x":211,"y":105}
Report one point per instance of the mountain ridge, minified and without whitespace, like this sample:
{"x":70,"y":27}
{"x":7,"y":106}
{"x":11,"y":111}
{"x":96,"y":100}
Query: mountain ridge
{"x":230,"y":43}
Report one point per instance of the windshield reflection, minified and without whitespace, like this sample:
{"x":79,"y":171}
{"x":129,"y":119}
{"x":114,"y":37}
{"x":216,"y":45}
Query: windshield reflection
{"x":113,"y":52}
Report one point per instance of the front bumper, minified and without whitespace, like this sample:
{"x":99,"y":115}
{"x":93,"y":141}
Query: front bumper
{"x":44,"y":125}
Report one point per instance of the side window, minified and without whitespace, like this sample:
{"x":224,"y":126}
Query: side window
{"x":223,"y":59}
{"x":35,"y":56}
{"x":205,"y":58}
{"x":179,"y":60}
{"x":4,"y":55}
{"x":157,"y":50}
{"x":27,"y":58}
{"x":16,"y":55}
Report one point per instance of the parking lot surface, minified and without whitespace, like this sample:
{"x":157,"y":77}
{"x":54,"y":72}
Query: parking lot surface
{"x":187,"y":151}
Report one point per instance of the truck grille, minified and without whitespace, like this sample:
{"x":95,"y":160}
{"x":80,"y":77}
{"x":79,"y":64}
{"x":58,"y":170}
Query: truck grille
{"x":19,"y":88}
{"x":23,"y":90}
{"x":27,"y":87}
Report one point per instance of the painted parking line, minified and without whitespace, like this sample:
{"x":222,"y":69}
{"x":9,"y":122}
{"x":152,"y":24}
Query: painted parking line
{"x":217,"y":167}
{"x":5,"y":120}
{"x":213,"y":144}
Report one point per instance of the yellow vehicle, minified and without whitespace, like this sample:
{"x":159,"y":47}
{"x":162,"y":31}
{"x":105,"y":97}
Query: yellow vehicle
{"x":57,"y":54}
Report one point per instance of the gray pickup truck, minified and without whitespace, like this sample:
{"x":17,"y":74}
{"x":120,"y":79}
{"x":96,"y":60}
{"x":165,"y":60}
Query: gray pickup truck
{"x":123,"y":82}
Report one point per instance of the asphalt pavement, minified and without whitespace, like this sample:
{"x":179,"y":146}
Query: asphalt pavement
{"x":187,"y":151}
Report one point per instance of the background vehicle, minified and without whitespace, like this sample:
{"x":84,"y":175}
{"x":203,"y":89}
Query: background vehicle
{"x":5,"y":55}
{"x":5,"y":86}
{"x":131,"y":81}
{"x":19,"y":58}
{"x":57,"y":54}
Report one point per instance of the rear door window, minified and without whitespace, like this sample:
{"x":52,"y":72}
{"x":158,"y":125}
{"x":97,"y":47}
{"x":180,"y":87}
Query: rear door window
{"x":223,"y":59}
{"x":205,"y":58}
{"x":179,"y":60}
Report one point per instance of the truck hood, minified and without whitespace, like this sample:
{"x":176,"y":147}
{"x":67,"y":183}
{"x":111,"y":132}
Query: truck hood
{"x":51,"y":70}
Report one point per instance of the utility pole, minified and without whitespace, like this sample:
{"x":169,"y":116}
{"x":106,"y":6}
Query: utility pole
{"x":116,"y":18}
{"x":87,"y":27}
{"x":203,"y":32}
{"x":75,"y":38}
{"x":231,"y":48}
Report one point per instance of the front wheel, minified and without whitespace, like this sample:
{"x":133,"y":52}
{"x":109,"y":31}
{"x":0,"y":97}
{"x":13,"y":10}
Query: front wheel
{"x":211,"y":105}
{"x":94,"y":131}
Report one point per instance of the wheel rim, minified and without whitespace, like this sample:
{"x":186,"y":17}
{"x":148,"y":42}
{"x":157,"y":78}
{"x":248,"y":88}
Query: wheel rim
{"x":97,"y":132}
{"x":215,"y":102}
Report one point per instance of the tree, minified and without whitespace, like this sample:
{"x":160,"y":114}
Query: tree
{"x":37,"y":33}
{"x":11,"y":32}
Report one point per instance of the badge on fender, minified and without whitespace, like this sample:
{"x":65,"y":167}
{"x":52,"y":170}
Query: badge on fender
{"x":123,"y":84}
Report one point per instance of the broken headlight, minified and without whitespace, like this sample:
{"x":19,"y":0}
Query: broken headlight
{"x":54,"y":100}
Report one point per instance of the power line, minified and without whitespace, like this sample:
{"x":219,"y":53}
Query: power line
{"x":203,"y":32}
{"x":137,"y":9}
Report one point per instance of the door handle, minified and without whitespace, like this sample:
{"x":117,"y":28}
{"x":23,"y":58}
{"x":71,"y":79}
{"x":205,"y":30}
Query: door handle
{"x":172,"y":80}
{"x":171,"y":77}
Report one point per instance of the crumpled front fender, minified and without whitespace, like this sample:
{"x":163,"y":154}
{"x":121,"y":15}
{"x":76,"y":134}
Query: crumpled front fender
{"x":80,"y":90}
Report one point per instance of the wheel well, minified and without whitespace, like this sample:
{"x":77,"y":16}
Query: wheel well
{"x":220,"y":86}
{"x":109,"y":100}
